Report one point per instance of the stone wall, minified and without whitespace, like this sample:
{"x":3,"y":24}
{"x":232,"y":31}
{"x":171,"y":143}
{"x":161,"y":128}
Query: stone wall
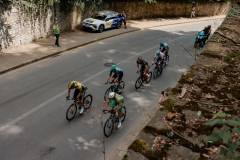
{"x":18,"y":27}
{"x":139,"y":9}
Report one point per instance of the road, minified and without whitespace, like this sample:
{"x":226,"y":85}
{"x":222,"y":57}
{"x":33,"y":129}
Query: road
{"x":33,"y":106}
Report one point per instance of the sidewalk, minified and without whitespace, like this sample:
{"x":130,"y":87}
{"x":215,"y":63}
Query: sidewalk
{"x":26,"y":54}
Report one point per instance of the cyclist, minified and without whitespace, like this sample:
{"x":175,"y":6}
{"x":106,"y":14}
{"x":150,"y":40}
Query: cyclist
{"x":143,"y":66}
{"x":116,"y":74}
{"x":116,"y":102}
{"x":78,"y":92}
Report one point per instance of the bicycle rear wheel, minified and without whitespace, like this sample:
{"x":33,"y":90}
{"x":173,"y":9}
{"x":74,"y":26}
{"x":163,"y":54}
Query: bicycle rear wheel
{"x":87,"y":101}
{"x":108,"y":127}
{"x":71,"y":112}
{"x":138,"y":83}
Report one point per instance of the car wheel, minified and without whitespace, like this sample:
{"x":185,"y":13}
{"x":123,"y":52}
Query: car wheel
{"x":101,"y":28}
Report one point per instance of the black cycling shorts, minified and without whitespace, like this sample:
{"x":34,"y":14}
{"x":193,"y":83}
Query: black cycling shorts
{"x":118,"y":75}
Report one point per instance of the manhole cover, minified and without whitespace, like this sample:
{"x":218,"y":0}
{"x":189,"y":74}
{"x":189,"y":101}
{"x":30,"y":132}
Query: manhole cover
{"x":109,"y":64}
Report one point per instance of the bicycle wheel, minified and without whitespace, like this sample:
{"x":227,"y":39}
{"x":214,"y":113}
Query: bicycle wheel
{"x":155,"y":73}
{"x":160,"y":69}
{"x":108,"y":127}
{"x":138,"y":83}
{"x":87,"y":101}
{"x":71,"y":112}
{"x":124,"y":111}
{"x":149,"y":77}
{"x":107,"y":93}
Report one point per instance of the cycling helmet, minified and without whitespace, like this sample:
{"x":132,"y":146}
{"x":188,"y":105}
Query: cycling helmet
{"x":72,"y":84}
{"x":113,"y":67}
{"x":111,"y":95}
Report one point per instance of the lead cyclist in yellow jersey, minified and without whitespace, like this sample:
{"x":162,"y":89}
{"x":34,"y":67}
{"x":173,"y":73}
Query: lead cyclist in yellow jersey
{"x":78,"y":92}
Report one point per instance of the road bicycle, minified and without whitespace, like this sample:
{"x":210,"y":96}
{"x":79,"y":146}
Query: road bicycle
{"x":141,"y":80}
{"x":113,"y":120}
{"x":115,"y":87}
{"x":158,"y":68}
{"x":76,"y":106}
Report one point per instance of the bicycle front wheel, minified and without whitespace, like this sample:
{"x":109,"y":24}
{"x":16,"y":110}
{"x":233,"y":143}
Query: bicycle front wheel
{"x":138,"y":83}
{"x":87,"y":101}
{"x":108,"y":127}
{"x":71,"y":112}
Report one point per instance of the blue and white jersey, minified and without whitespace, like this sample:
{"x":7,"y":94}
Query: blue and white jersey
{"x":107,"y":19}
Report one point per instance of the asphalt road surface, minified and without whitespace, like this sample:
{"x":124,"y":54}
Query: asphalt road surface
{"x":33,"y":106}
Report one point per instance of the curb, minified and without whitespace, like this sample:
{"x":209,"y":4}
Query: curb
{"x":59,"y":52}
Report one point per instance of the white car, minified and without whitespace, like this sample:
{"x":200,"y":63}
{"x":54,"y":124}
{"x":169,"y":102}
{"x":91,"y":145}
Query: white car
{"x":103,"y":20}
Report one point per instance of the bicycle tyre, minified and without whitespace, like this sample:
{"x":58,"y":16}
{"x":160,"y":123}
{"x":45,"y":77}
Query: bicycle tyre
{"x":89,"y":104}
{"x":155,"y":73}
{"x":108,"y":124}
{"x":138,"y":83}
{"x":72,"y":106}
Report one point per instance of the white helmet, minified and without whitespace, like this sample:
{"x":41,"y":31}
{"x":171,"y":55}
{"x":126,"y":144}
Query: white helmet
{"x":111,"y":95}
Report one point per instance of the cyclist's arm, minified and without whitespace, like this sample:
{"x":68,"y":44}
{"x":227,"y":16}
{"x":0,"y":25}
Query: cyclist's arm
{"x":138,"y":65}
{"x":110,"y":75}
{"x":69,"y":91}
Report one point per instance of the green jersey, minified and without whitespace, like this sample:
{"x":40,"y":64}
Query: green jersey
{"x":112,"y":103}
{"x":56,"y":29}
